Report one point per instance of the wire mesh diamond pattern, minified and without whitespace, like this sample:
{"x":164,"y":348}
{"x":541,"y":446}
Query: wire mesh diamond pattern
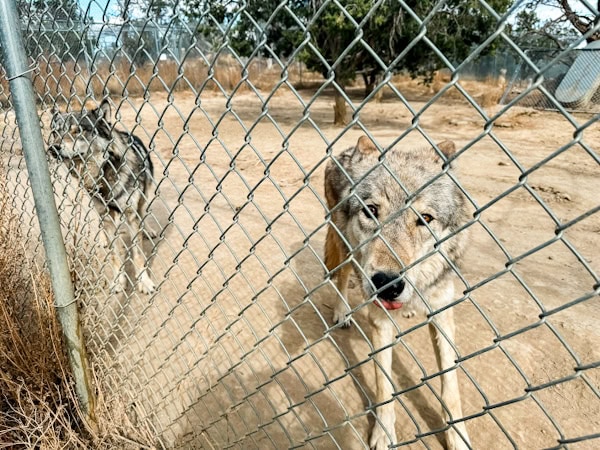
{"x":236,"y":347}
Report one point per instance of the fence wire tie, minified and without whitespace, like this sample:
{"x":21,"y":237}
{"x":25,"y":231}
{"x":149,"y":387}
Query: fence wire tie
{"x":32,"y":67}
{"x":57,"y":306}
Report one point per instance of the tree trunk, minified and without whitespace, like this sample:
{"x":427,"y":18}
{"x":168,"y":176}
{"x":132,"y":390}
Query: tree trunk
{"x":369,"y":85}
{"x":377,"y":77}
{"x":339,"y":108}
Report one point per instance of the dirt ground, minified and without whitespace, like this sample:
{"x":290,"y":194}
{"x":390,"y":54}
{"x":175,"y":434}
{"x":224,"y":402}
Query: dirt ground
{"x":237,"y":348}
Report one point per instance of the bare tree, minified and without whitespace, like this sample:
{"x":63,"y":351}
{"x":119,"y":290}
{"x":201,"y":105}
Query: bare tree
{"x":583,"y":22}
{"x":572,"y":19}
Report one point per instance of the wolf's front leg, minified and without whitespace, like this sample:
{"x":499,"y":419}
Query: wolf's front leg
{"x":118,"y":255}
{"x":115,"y":236}
{"x":456,"y":436}
{"x":384,"y":430}
{"x":341,"y":311}
{"x":119,"y":282}
{"x":145,"y":285}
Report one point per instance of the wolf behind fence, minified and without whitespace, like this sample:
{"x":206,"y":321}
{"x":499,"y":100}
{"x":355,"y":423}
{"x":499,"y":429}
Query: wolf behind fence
{"x":259,"y":265}
{"x":396,"y":228}
{"x":116,"y":169}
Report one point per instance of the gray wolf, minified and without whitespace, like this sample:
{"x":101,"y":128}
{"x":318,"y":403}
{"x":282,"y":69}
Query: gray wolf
{"x":390,"y":221}
{"x":115,"y":168}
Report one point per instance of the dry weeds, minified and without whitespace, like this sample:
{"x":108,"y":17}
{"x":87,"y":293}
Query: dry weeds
{"x":38,"y":407}
{"x":70,"y":83}
{"x":487,"y":93}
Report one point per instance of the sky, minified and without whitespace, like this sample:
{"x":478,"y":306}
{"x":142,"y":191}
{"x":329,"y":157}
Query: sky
{"x":97,"y":8}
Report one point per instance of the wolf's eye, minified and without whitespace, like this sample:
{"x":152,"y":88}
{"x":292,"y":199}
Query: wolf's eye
{"x":371,"y":211}
{"x":425,"y":218}
{"x":75,"y":129}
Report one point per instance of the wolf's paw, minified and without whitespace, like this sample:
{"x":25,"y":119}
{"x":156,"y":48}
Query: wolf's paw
{"x":145,"y":283}
{"x":120,"y":283}
{"x":151,"y":232}
{"x":341,"y":315}
{"x":455,"y":442}
{"x":383,"y":433}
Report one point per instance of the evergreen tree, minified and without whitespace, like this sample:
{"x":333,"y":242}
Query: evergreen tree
{"x":350,"y":37}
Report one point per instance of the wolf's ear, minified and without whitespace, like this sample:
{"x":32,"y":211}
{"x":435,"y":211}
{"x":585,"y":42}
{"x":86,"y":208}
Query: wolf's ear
{"x":448,"y":148}
{"x":365,"y":145}
{"x":104,"y":111}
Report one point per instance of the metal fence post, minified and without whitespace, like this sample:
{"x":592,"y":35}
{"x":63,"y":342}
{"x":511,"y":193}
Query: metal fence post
{"x":14,"y":60}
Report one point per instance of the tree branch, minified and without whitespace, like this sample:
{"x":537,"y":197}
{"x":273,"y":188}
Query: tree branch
{"x":581,"y":25}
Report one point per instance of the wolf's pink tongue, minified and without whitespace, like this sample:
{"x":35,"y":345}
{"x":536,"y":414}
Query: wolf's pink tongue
{"x":387,"y":304}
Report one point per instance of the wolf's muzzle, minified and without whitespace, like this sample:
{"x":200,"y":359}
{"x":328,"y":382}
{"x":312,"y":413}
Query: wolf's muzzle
{"x":55,"y":151}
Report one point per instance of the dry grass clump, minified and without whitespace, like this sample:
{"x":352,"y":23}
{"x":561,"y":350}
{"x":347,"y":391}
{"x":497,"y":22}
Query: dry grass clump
{"x":62,"y":80}
{"x":264,"y":76}
{"x":109,"y":79}
{"x":195,"y":71}
{"x":490,"y":97}
{"x":486,"y":92}
{"x":38,"y":407}
{"x":4,"y":91}
{"x":70,"y":82}
{"x":226,"y":77}
{"x":73,"y":83}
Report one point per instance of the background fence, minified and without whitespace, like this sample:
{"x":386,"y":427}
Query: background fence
{"x":236,"y":347}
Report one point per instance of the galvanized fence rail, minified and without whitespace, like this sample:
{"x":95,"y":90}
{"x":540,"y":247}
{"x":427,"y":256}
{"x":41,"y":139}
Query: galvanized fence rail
{"x":208,"y":319}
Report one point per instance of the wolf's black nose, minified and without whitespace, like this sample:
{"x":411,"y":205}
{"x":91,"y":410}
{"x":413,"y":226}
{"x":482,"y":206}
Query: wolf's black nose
{"x":388,"y":285}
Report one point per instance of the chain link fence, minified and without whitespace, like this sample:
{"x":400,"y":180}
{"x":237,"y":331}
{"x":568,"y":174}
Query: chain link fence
{"x":236,"y":346}
{"x":523,"y":77}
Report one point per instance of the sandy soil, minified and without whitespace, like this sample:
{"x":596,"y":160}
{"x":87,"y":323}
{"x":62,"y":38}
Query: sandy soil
{"x":237,"y":347}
